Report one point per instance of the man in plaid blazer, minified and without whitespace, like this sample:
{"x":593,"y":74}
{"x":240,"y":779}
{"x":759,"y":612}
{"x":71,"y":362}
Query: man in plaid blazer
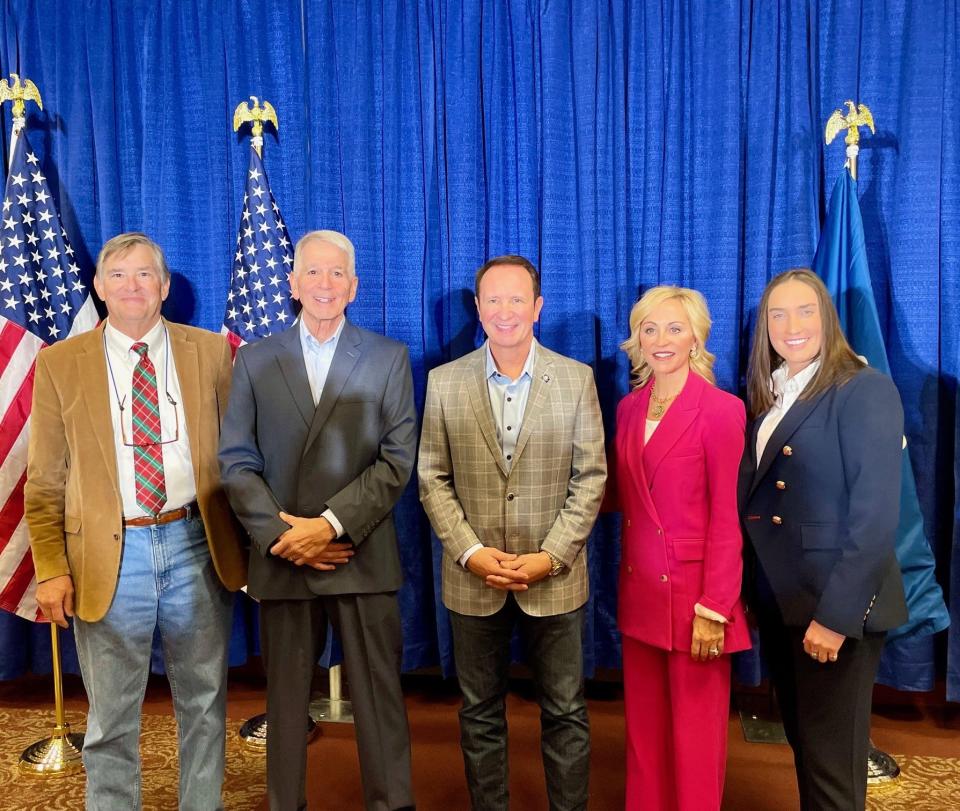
{"x":512,"y":471}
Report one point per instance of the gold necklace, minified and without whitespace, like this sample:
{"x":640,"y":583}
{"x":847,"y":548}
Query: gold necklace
{"x":659,"y":402}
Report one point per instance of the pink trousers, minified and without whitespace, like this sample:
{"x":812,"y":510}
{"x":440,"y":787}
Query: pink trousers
{"x":677,"y":712}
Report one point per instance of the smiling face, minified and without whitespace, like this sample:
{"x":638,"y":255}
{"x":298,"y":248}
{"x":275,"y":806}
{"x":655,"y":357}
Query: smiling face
{"x":794,"y":324}
{"x":323,"y":285}
{"x":133,"y":288}
{"x":666,"y":338}
{"x":508,"y":308}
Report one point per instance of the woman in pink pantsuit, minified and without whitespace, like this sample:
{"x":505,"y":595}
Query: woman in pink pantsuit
{"x":678,"y":447}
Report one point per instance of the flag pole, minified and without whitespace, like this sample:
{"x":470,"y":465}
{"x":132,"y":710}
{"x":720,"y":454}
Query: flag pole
{"x":881,"y":767}
{"x":60,"y":753}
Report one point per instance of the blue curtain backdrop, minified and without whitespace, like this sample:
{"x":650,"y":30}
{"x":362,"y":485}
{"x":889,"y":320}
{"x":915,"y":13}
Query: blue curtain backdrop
{"x":616,"y":144}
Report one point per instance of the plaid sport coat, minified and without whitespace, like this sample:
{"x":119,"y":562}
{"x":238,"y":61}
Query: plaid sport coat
{"x":547,"y":501}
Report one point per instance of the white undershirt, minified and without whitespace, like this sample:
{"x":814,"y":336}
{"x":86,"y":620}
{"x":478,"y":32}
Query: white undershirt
{"x":786,"y":392}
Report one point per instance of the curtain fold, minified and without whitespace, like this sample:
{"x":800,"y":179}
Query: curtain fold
{"x":618,"y":145}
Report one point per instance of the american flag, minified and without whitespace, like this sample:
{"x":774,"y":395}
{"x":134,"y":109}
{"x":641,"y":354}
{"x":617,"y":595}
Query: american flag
{"x":259,"y":302}
{"x":42,"y":300}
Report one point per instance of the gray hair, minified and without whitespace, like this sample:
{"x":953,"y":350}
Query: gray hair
{"x":334,"y":238}
{"x":122,"y":243}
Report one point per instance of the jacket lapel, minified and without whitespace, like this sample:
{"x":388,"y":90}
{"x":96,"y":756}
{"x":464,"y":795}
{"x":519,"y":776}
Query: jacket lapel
{"x":349,"y":350}
{"x":92,"y":368}
{"x":540,"y":388}
{"x":792,"y":420}
{"x":188,"y":374}
{"x":635,"y":425}
{"x":480,"y":401}
{"x":673,"y":425}
{"x":294,"y":371}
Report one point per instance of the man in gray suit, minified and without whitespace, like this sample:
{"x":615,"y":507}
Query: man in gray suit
{"x":317,"y":445}
{"x":512,"y":471}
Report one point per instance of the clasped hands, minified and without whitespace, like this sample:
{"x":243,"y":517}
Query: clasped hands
{"x":507,"y":571}
{"x":311,"y":542}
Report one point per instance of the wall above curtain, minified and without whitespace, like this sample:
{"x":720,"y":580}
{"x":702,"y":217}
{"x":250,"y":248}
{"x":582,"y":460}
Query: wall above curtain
{"x":616,"y":144}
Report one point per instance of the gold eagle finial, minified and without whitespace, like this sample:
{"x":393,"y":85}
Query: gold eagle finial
{"x":256,"y":114}
{"x":19,"y":92}
{"x":855,"y":118}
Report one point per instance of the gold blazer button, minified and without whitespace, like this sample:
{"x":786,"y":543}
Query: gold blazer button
{"x":781,"y":485}
{"x":777,"y":520}
{"x":663,"y":578}
{"x":787,"y":450}
{"x":629,"y":569}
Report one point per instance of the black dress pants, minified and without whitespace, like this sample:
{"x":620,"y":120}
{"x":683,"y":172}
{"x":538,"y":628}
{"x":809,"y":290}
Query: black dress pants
{"x":826,"y":711}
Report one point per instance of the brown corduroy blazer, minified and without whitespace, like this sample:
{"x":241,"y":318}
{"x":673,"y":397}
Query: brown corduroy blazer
{"x":72,"y":497}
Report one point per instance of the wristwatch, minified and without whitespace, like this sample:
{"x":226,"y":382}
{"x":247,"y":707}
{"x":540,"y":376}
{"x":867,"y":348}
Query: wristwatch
{"x":557,"y":565}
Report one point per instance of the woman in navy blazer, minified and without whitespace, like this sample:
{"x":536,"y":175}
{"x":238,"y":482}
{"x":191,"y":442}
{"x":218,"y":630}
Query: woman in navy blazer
{"x":819,"y":499}
{"x":679,"y":442}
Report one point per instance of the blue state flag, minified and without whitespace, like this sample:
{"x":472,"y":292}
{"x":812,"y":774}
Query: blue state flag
{"x":841,"y":261}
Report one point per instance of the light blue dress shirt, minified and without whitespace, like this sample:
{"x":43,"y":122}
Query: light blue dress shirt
{"x":317,"y":357}
{"x":508,"y":400}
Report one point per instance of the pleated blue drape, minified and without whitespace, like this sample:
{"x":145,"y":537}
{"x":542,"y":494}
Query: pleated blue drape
{"x":617,"y":144}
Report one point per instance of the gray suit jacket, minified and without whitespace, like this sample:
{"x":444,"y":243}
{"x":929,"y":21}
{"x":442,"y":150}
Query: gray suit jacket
{"x":547,"y":501}
{"x":353,"y":453}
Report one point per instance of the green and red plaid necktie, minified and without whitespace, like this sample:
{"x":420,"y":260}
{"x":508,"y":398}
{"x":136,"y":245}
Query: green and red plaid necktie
{"x":147,"y":451}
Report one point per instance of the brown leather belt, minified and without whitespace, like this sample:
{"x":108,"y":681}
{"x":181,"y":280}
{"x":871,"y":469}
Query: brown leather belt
{"x":168,"y":517}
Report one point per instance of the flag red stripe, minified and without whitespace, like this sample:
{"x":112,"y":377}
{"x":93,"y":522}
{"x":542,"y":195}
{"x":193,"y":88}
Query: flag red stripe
{"x":12,"y":512}
{"x":10,"y":337}
{"x":13,"y":592}
{"x":17,"y":414}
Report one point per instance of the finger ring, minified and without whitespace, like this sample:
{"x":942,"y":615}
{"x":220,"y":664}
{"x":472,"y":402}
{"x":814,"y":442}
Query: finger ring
{"x":714,"y":651}
{"x":813,"y":655}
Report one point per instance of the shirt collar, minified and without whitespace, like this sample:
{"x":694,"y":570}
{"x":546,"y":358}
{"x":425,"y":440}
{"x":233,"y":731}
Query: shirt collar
{"x":311,"y":344}
{"x":797,"y":383}
{"x":527,"y":366}
{"x":121,"y":343}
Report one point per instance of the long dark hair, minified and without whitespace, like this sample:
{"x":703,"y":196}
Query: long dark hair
{"x":838,"y":362}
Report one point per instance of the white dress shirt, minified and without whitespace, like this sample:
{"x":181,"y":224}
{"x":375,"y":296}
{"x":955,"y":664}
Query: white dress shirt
{"x":177,"y":462}
{"x":786,"y":392}
{"x":317,"y":357}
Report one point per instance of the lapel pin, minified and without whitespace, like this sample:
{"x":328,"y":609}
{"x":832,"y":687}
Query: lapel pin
{"x":545,"y":378}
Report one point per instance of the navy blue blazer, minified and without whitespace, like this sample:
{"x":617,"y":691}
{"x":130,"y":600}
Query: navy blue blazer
{"x":820,"y":511}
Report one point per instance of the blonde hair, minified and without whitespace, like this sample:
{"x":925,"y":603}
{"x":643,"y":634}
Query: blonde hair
{"x":698,"y":314}
{"x":838,"y":362}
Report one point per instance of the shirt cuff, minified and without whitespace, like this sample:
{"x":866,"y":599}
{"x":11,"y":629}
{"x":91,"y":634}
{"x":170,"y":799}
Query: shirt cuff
{"x":337,"y":526}
{"x":466,"y":555}
{"x":709,"y":614}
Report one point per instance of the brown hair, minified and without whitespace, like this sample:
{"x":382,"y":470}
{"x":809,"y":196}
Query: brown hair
{"x":698,"y":314}
{"x":838,"y":362}
{"x":124,"y":243}
{"x":508,"y":259}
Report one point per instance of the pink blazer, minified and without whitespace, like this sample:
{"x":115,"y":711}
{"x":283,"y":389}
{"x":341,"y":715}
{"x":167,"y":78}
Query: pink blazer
{"x":681,"y":541}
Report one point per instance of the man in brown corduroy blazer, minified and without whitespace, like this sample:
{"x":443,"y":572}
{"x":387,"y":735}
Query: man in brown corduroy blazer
{"x":126,"y":556}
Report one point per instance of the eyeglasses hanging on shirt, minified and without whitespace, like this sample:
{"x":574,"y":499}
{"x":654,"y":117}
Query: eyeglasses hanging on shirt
{"x":121,"y":403}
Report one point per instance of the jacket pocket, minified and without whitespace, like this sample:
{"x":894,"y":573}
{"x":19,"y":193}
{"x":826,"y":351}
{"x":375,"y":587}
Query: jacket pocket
{"x":820,"y":536}
{"x":688,"y":548}
{"x":71,"y":524}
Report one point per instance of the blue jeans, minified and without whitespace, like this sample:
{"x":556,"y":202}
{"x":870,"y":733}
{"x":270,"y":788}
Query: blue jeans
{"x":167,"y":582}
{"x":554,"y":652}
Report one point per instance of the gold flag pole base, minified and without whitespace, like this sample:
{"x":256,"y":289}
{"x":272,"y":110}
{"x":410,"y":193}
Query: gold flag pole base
{"x":54,"y":756}
{"x":60,"y":753}
{"x":253,"y":733}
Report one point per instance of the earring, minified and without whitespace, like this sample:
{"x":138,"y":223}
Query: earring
{"x":694,"y":352}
